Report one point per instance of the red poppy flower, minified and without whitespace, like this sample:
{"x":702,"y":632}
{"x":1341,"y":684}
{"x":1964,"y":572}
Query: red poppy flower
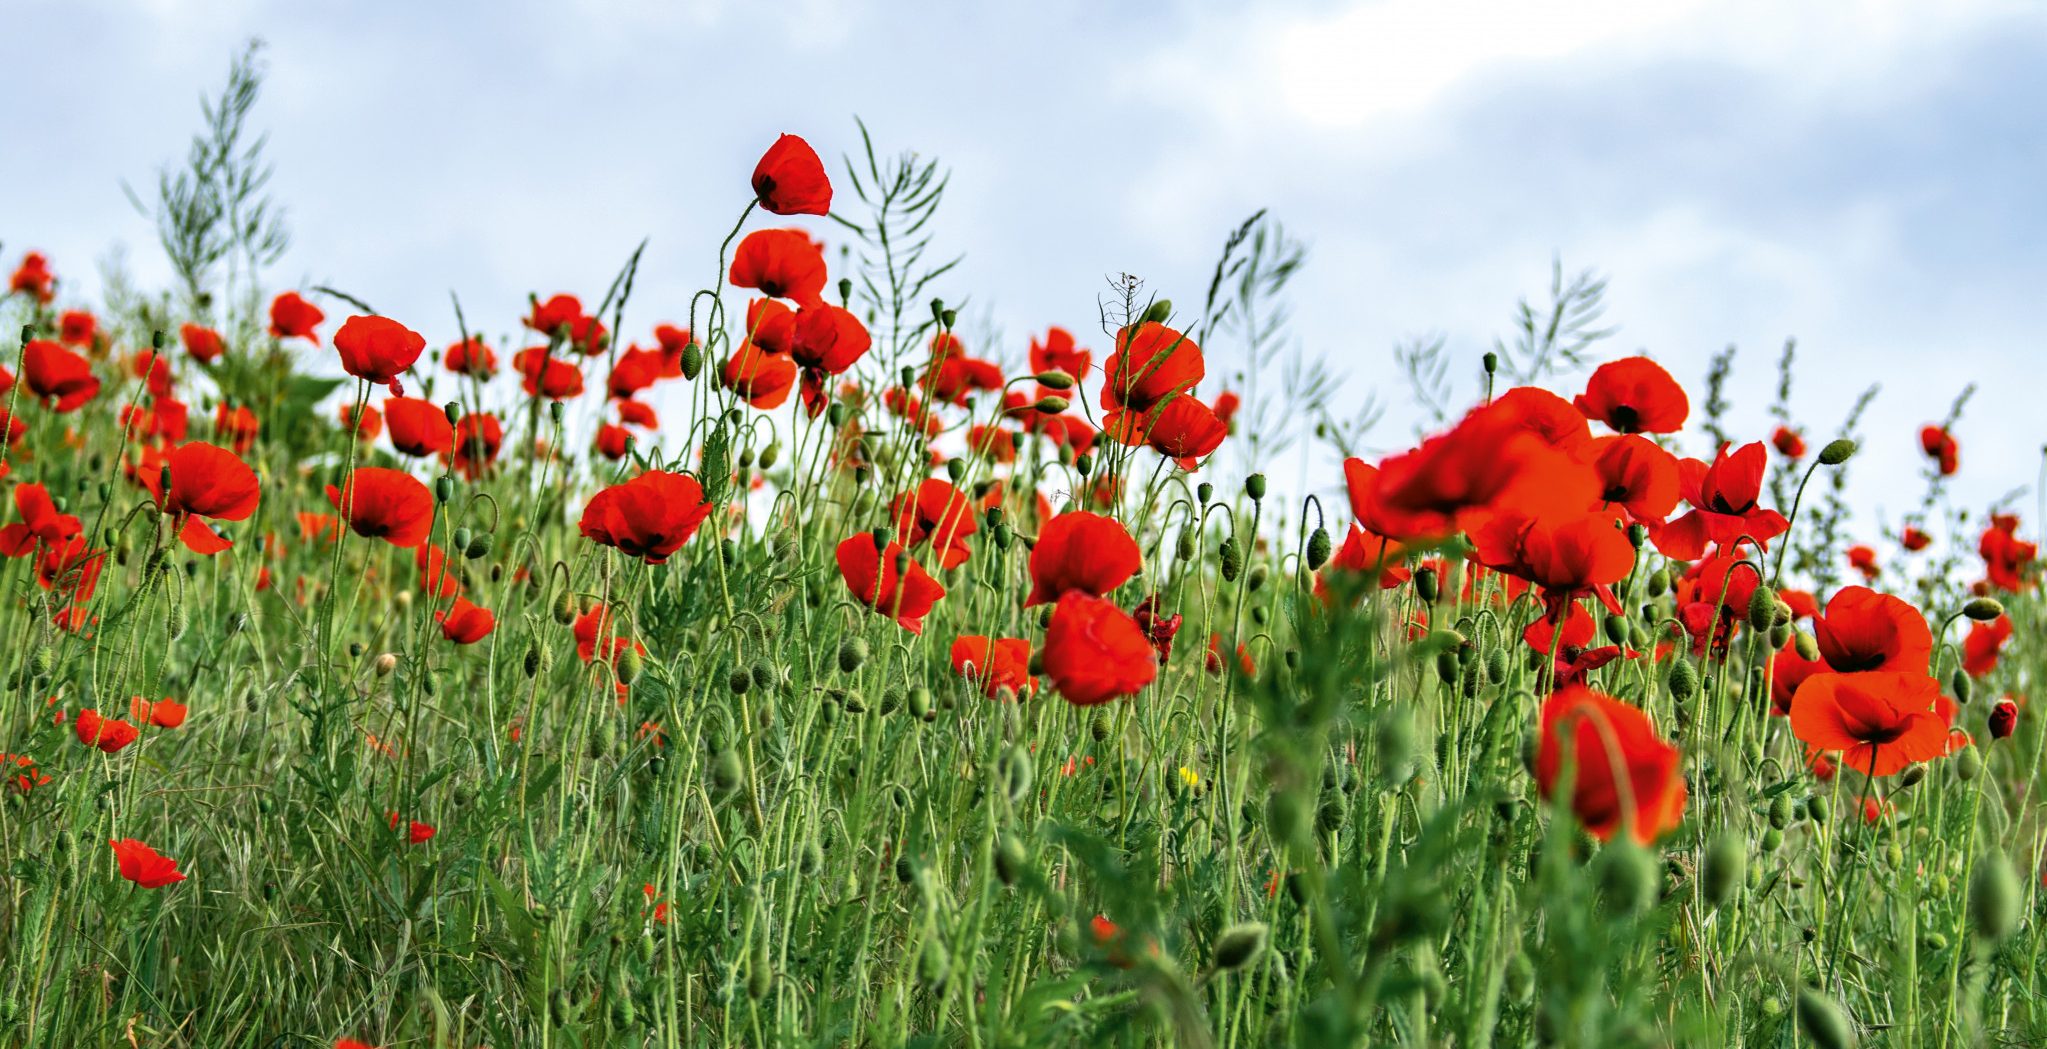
{"x":143,"y":865}
{"x":650,"y":516}
{"x":391,"y":505}
{"x":2004,"y":718}
{"x":673,"y":341}
{"x":1182,"y":429}
{"x":1789,"y":443}
{"x":372,"y":422}
{"x":1364,"y":553}
{"x":634,"y":370}
{"x":1788,"y":670}
{"x":953,"y":377}
{"x":1215,"y":664}
{"x":40,"y":522}
{"x":1057,"y":352}
{"x":1226,"y":405}
{"x":556,"y":314}
{"x":1563,"y":554}
{"x":613,"y":441}
{"x":828,"y":339}
{"x":1084,"y":552}
{"x":1150,"y":364}
{"x":378,"y":349}
{"x":904,"y":594}
{"x":995,"y":665}
{"x":1939,"y":445}
{"x":77,"y":328}
{"x":163,"y":713}
{"x":1548,"y":416}
{"x":1492,"y":458}
{"x":938,"y":513}
{"x":638,"y":413}
{"x":1635,"y":395}
{"x":2005,"y":556}
{"x":473,"y":357}
{"x":1863,"y":559}
{"x":416,"y":833}
{"x":790,"y":180}
{"x":1159,"y":630}
{"x":58,"y":376}
{"x":350,"y":1043}
{"x":108,"y":734}
{"x":543,"y":375}
{"x":1913,"y":539}
{"x":419,"y":427}
{"x":294,"y":317}
{"x":466,"y":622}
{"x":1072,"y":431}
{"x":1634,"y":475}
{"x":33,"y":278}
{"x":208,"y":481}
{"x":1863,"y":631}
{"x":1625,"y":776}
{"x":782,"y":263}
{"x":478,"y":436}
{"x":1095,"y":652}
{"x":1724,"y":511}
{"x":25,"y":776}
{"x":203,"y":343}
{"x":1984,"y":643}
{"x":762,"y":379}
{"x":1879,"y":722}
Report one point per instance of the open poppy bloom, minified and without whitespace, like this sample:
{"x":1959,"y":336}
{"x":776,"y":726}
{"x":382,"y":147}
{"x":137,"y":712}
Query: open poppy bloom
{"x":1983,"y":644}
{"x":211,"y":482}
{"x":372,"y":422}
{"x":1879,"y":722}
{"x":478,"y":436}
{"x":1724,"y":511}
{"x":391,"y":505}
{"x":1180,"y":428}
{"x":1057,"y":352}
{"x":650,"y":516}
{"x":108,"y":734}
{"x":1560,"y":424}
{"x":613,"y":441}
{"x":2005,"y":556}
{"x":378,"y":349}
{"x":292,"y":317}
{"x":1788,"y":442}
{"x":473,"y":357}
{"x":791,"y":180}
{"x":1939,"y":445}
{"x":1864,"y":631}
{"x":203,"y":343}
{"x":466,"y":622}
{"x":1862,"y":558}
{"x":416,"y":833}
{"x":1635,"y":476}
{"x":1151,"y":364}
{"x":143,"y":865}
{"x":33,"y":278}
{"x":1625,"y":778}
{"x":1635,"y":395}
{"x":418,"y":427}
{"x":994,"y":664}
{"x":40,"y":522}
{"x":1095,"y":652}
{"x":1788,"y":670}
{"x":163,"y":713}
{"x":1084,"y":552}
{"x":905,"y":594}
{"x":58,"y":376}
{"x":597,"y":640}
{"x":1495,"y":457}
{"x":782,"y":263}
{"x":939,"y":513}
{"x":545,"y":375}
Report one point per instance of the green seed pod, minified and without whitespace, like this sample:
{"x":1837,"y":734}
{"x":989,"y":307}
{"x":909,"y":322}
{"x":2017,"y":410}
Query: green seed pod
{"x":1427,"y":585}
{"x":1009,"y":859}
{"x":934,"y":965}
{"x":1808,"y":647}
{"x":1964,"y":688}
{"x":1318,"y":549}
{"x":1232,"y":559}
{"x":1683,"y":679}
{"x":1084,"y":464}
{"x":852,"y":653}
{"x":1254,"y":486}
{"x":1836,"y":452}
{"x":1968,"y":764}
{"x":1772,"y":839}
{"x":1994,"y":898}
{"x":1239,"y":945}
{"x":1158,"y":311}
{"x":1818,"y":809}
{"x":1983,"y":609}
{"x":1724,"y":868}
{"x":1818,"y":1015}
{"x":726,"y":772}
{"x":629,"y":664}
{"x":461,"y":538}
{"x":1659,"y":582}
{"x":1780,"y":811}
{"x":1616,"y":627}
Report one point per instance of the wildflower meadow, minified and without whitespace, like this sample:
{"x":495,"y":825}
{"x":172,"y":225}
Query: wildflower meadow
{"x":798,"y":664}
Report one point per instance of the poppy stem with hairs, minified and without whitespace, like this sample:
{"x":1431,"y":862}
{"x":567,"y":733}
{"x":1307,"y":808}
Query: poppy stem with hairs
{"x":1790,"y":521}
{"x":1836,"y":918}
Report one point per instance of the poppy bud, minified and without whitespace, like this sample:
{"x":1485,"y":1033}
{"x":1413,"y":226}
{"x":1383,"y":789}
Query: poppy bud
{"x":1254,"y":486}
{"x":163,"y":477}
{"x":385,"y":664}
{"x":1427,"y":585}
{"x":1912,"y":777}
{"x":1762,"y":609}
{"x":156,"y":340}
{"x":1318,"y":548}
{"x":1818,"y":809}
{"x":1016,"y":771}
{"x":1780,"y":811}
{"x":1983,"y":609}
{"x":934,"y":965}
{"x":461,"y":538}
{"x":1232,"y":559}
{"x":1051,"y":405}
{"x":692,"y":361}
{"x":763,"y":675}
{"x":1204,"y":492}
{"x":555,"y":411}
{"x":739,"y":680}
{"x":565,"y":608}
{"x":1823,"y":1022}
{"x":1491,"y":361}
{"x":1616,"y":627}
{"x":852,"y":653}
{"x":845,"y":290}
{"x":771,"y":455}
{"x":1099,"y":727}
{"x":1001,"y":536}
{"x":478,"y":547}
{"x":1772,"y":838}
{"x":1054,"y":379}
{"x":444,"y":488}
{"x":1628,"y":877}
{"x":1009,"y":859}
{"x":1724,"y":868}
{"x":1159,"y":310}
{"x":1683,"y":679}
{"x":1963,"y":687}
{"x":1637,"y":535}
{"x":1837,"y":451}
{"x":1994,"y":897}
{"x":1084,"y":464}
{"x":726,"y":772}
{"x":881,"y":536}
{"x":453,"y":410}
{"x":1968,"y":764}
{"x":1183,"y":547}
{"x":629,"y":664}
{"x":1239,"y":945}
{"x":531,"y":662}
{"x":2004,"y":717}
{"x":957,"y":470}
{"x":836,"y":414}
{"x":1808,"y":648}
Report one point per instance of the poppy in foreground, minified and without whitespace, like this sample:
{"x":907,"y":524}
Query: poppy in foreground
{"x":145,"y":866}
{"x":888,"y":580}
{"x":1081,"y":551}
{"x":208,"y":481}
{"x":1625,"y":775}
{"x":1879,"y":722}
{"x":650,"y":516}
{"x":994,"y":663}
{"x":791,"y":180}
{"x":292,"y":317}
{"x":391,"y":505}
{"x":1635,"y":395}
{"x":378,"y":349}
{"x":1095,"y":652}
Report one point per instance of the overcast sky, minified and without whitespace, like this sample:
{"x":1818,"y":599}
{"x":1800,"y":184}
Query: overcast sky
{"x":1865,"y":177}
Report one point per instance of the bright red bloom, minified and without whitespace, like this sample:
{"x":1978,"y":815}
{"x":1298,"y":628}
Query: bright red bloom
{"x":1548,"y":416}
{"x":1150,"y":365}
{"x":378,"y":349}
{"x":391,"y":505}
{"x":638,"y":414}
{"x":828,"y":339}
{"x":674,"y":341}
{"x":1863,"y":559}
{"x":1182,"y":429}
{"x":650,"y":516}
{"x":237,"y":425}
{"x":1003,"y":663}
{"x":33,"y":278}
{"x":1635,"y":395}
{"x":1913,"y":539}
{"x":1984,"y":643}
{"x":940,"y":513}
{"x":597,"y":640}
{"x":25,"y":776}
{"x":636,"y":369}
{"x":555,"y":315}
{"x":40,"y":522}
{"x":145,"y":866}
{"x":1634,"y":475}
{"x":1083,"y":552}
{"x":1057,"y":352}
{"x":416,"y":833}
{"x":1939,"y":445}
{"x":473,"y":357}
{"x":1865,"y":631}
{"x":1563,"y":554}
{"x":1365,"y":553}
{"x":1159,"y":630}
{"x":466,"y":622}
{"x":372,"y":422}
{"x":782,"y":263}
{"x":1880,"y":722}
{"x":1095,"y":652}
{"x":1215,"y":665}
{"x":2005,"y":556}
{"x":1495,"y":457}
{"x":203,"y":343}
{"x":108,"y":734}
{"x":762,"y":379}
{"x":294,"y":317}
{"x":613,"y":441}
{"x":1724,"y":511}
{"x":77,"y":328}
{"x":418,"y":427}
{"x":1789,"y":443}
{"x":790,"y":179}
{"x":350,"y":1043}
{"x":1788,"y":670}
{"x":2004,"y":719}
{"x":904,"y":594}
{"x":478,"y":436}
{"x":58,"y":376}
{"x":163,"y":713}
{"x":544,"y":375}
{"x":1625,"y":775}
{"x":212,"y":482}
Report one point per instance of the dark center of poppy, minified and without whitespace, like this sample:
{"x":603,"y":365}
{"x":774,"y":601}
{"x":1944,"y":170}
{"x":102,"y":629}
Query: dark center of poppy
{"x":1624,"y":418}
{"x":1616,"y":493}
{"x":1856,"y":662}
